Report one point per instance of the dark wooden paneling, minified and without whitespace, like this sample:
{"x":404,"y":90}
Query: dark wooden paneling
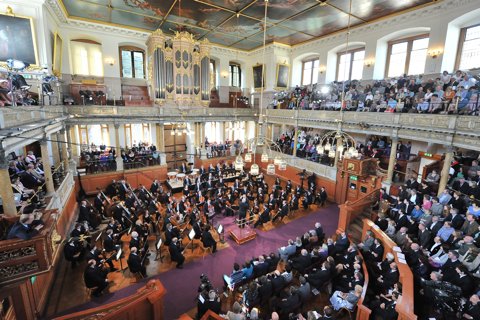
{"x":137,"y":93}
{"x":76,"y":88}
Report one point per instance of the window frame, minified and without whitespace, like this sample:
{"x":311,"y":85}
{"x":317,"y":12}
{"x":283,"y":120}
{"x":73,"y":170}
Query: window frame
{"x":131,"y":49}
{"x":214,"y":72}
{"x":461,"y":42}
{"x":129,"y":126}
{"x":303,"y":69}
{"x":231,"y":66}
{"x":409,"y":41}
{"x":352,"y":52}
{"x":105,"y":138}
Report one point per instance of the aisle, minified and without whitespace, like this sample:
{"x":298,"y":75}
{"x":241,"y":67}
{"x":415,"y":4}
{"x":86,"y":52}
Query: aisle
{"x":182,"y":285}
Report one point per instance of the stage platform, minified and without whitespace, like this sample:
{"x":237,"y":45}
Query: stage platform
{"x":242,"y":235}
{"x":174,"y":186}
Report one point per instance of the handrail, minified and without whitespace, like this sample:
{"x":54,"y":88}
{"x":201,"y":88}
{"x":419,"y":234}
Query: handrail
{"x":363,"y":311}
{"x":350,"y":210}
{"x":405,"y":303}
{"x":148,"y":299}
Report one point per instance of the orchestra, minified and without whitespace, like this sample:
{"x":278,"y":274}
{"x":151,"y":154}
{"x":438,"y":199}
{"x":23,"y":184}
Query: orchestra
{"x":143,"y":212}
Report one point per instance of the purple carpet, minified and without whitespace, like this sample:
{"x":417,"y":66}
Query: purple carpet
{"x":182,"y":285}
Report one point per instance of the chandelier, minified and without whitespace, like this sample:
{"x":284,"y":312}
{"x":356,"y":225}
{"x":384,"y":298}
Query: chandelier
{"x":268,"y":149}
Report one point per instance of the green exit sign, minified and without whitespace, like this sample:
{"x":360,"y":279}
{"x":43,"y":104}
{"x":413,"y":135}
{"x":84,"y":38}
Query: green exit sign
{"x":428,"y":154}
{"x":353,"y":178}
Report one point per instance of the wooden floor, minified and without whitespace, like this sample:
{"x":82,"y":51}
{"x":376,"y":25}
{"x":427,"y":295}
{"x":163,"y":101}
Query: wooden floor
{"x":69,"y":288}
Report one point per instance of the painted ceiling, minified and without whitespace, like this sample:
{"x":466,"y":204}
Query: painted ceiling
{"x":239,"y":23}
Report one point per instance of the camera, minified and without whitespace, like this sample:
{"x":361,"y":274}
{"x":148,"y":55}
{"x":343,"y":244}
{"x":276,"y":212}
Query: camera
{"x":206,"y":285}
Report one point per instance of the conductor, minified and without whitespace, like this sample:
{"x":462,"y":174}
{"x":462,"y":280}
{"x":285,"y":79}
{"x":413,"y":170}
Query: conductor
{"x":242,"y":213}
{"x":176,"y":253}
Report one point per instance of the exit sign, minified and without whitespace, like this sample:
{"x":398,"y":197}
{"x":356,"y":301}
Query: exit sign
{"x":428,"y":154}
{"x":353,"y":178}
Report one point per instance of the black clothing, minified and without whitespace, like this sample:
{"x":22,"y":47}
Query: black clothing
{"x":135,"y":264}
{"x":20,"y":231}
{"x":208,"y":241}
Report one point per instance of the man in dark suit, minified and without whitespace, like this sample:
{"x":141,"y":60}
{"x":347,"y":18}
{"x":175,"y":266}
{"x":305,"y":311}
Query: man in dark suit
{"x":94,"y":254}
{"x":29,"y":181}
{"x":208,"y":240}
{"x":277,"y":280}
{"x":318,"y":278}
{"x":98,"y":204}
{"x":472,"y":308}
{"x":213,"y":303}
{"x":154,"y":187}
{"x":266,"y":287}
{"x":302,"y":262}
{"x":260,"y":267}
{"x":95,"y":277}
{"x":319,"y":232}
{"x":242,"y":212}
{"x":26,"y":228}
{"x":435,"y":226}
{"x":321,"y":197}
{"x":424,"y":236}
{"x":176,"y":253}
{"x":304,"y":289}
{"x":387,"y":310}
{"x":449,"y":268}
{"x":412,"y":183}
{"x":73,"y":253}
{"x":387,"y":280}
{"x":376,"y":252}
{"x":264,"y":216}
{"x":289,"y":300}
{"x":463,"y":280}
{"x":183,"y":168}
{"x":123,"y":189}
{"x":84,"y":215}
{"x":294,"y":202}
{"x":111,"y":189}
{"x":108,"y":243}
{"x":135,"y":263}
{"x":282,"y":212}
{"x":401,"y":220}
{"x":342,"y":244}
{"x":456,"y":219}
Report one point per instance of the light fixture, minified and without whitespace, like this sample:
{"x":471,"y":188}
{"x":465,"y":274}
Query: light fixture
{"x":239,"y":163}
{"x":283,"y":165}
{"x":179,"y":132}
{"x":340,"y":149}
{"x":434,"y":53}
{"x":254,"y":169}
{"x":331,"y":154}
{"x":368,"y":63}
{"x":324,"y":89}
{"x":327,"y":146}
{"x":17,"y":64}
{"x":224,"y":74}
{"x":172,"y":132}
{"x":319,"y":149}
{"x":277,"y":160}
{"x":321,"y":70}
{"x":248,"y":157}
{"x":110,"y":61}
{"x":264,"y":157}
{"x":271,"y":169}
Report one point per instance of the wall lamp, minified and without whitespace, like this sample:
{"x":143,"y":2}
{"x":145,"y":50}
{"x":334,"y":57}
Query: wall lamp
{"x":434,"y":53}
{"x":368,"y":63}
{"x":224,"y":74}
{"x":110,"y":61}
{"x":321,"y":70}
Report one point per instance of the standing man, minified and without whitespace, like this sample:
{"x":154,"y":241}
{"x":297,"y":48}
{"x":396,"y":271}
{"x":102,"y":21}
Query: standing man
{"x":242,"y":212}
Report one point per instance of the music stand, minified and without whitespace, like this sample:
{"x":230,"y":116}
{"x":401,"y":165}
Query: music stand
{"x":118,"y":257}
{"x":129,"y":230}
{"x":220,"y":229}
{"x":158,"y":245}
{"x":98,"y":237}
{"x":191,"y":236}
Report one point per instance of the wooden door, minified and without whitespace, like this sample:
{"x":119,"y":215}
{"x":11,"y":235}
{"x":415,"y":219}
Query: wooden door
{"x":35,"y":147}
{"x":175,"y":148}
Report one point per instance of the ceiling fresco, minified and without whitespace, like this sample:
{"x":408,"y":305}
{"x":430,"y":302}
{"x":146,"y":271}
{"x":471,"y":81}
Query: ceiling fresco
{"x":239,"y":23}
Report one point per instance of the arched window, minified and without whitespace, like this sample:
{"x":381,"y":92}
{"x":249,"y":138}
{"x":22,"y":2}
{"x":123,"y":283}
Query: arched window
{"x":407,"y":55}
{"x":235,"y":75}
{"x":87,"y":57}
{"x":469,"y":48}
{"x":308,"y":68}
{"x":350,"y":64}
{"x":132,"y":62}
{"x":96,"y":133}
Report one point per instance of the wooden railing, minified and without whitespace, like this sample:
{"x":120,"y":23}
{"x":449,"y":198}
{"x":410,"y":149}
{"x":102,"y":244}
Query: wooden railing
{"x":23,"y":259}
{"x":405,"y":303}
{"x":147,"y":303}
{"x":350,"y":210}
{"x":363,"y":311}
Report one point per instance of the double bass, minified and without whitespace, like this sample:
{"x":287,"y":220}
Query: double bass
{"x":107,"y":204}
{"x":95,"y":215}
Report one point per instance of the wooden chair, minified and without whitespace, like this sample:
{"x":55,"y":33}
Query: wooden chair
{"x":323,"y":288}
{"x":201,"y":247}
{"x":88,"y":290}
{"x":306,"y":301}
{"x":350,"y":311}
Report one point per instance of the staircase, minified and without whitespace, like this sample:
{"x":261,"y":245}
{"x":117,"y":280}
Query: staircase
{"x":355,"y":229}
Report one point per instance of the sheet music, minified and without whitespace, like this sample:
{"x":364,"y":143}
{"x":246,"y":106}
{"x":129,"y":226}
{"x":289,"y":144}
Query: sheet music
{"x":397,"y":249}
{"x":200,"y":297}
{"x":400,"y":255}
{"x":376,"y":227}
{"x":402,"y":261}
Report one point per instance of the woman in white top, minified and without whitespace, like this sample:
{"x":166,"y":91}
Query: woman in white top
{"x":390,"y":229}
{"x":439,"y":258}
{"x":428,"y":95}
{"x":457,"y":76}
{"x":445,"y":78}
{"x":369,"y":96}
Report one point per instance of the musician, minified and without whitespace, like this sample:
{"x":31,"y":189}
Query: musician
{"x":176,"y":253}
{"x":209,"y":187}
{"x":213,"y":303}
{"x":236,"y":184}
{"x":288,"y":187}
{"x":277,"y":182}
{"x":109,"y":244}
{"x":95,"y":277}
{"x":143,"y":195}
{"x":166,"y":198}
{"x":94,"y":254}
{"x":113,"y":225}
{"x":275,"y":191}
{"x":26,"y":228}
{"x":242,"y":212}
{"x":171,"y":233}
{"x":140,"y":230}
{"x":154,"y":187}
{"x":245,"y":191}
{"x":98,"y":204}
{"x":186,"y":182}
{"x":282,"y":212}
{"x":312,"y":188}
{"x":220,"y":183}
{"x":229,"y":201}
{"x":202,"y":170}
{"x":207,"y":239}
{"x":307,"y":200}
{"x":211,"y":169}
{"x":265,"y":186}
{"x":294,"y":202}
{"x":225,"y":165}
{"x":218,"y":194}
{"x":130,"y":201}
{"x":111,"y":189}
{"x":218,"y":167}
{"x":73,"y":252}
{"x":79,"y":231}
{"x":198,"y":186}
{"x":321,"y":196}
{"x":152,"y":208}
{"x":118,"y":214}
{"x":199,"y":200}
{"x":260,"y":195}
{"x":209,"y":210}
{"x":183,"y":168}
{"x":298,"y":191}
{"x":136,"y":242}
{"x":272,"y":202}
{"x":123,"y":189}
{"x":85,"y":215}
{"x":135,"y":263}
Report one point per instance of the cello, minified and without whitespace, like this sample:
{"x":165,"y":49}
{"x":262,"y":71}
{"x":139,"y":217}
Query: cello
{"x":95,"y":215}
{"x":107,"y":204}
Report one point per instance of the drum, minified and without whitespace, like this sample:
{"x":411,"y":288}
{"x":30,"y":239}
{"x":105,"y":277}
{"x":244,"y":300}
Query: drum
{"x":172,"y":176}
{"x":181,"y":176}
{"x":194,"y":173}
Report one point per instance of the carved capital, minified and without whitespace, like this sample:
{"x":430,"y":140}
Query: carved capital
{"x":449,"y":148}
{"x":3,"y":160}
{"x":117,"y":125}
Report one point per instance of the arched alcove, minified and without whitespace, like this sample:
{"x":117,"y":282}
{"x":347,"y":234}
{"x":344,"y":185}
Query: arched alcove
{"x":297,"y":65}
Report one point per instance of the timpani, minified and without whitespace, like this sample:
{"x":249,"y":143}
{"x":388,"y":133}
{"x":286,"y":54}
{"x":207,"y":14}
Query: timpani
{"x":172,"y":176}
